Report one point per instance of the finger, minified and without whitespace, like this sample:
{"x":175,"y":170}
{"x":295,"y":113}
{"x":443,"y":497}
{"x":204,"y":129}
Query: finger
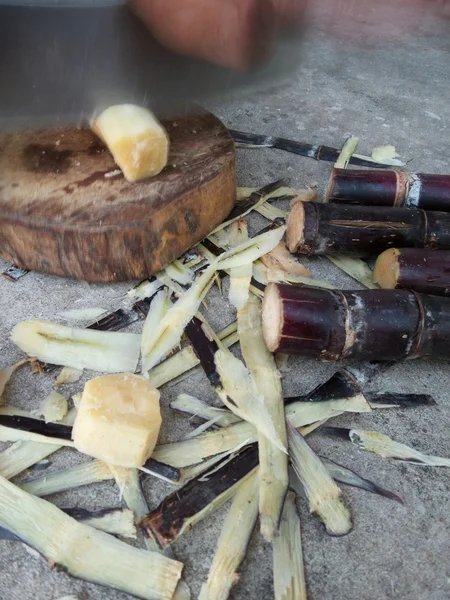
{"x":234,"y":33}
{"x":291,"y":14}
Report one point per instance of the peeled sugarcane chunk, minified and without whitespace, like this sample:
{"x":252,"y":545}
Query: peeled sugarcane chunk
{"x":118,"y":419}
{"x":135,"y":138}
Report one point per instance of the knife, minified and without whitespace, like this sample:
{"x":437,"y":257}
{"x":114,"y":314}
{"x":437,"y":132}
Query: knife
{"x":63,"y":60}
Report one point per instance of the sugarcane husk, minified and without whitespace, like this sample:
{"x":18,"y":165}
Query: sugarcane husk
{"x":192,"y":451}
{"x":273,"y":469}
{"x":341,"y":384}
{"x":171,"y":326}
{"x":425,"y":271}
{"x":233,"y":383}
{"x":346,"y":152}
{"x":263,"y":275}
{"x":121,"y":318}
{"x":355,"y":268}
{"x":318,"y":152}
{"x":23,"y":454}
{"x":315,"y":228}
{"x":347,"y":476}
{"x":288,"y":568}
{"x":130,"y":489}
{"x":161,"y":470}
{"x":385,"y":325}
{"x":240,"y":277}
{"x":324,"y":496}
{"x":84,"y":552}
{"x":34,"y":429}
{"x":398,"y":400}
{"x":227,"y":439}
{"x":233,"y":541}
{"x":241,"y":209}
{"x":384,"y":446}
{"x":369,"y":188}
{"x":194,"y":406}
{"x":430,"y":192}
{"x":181,"y":510}
{"x":280,"y":258}
{"x":116,"y":521}
{"x":66,"y":479}
{"x":76,"y":347}
{"x":186,"y":359}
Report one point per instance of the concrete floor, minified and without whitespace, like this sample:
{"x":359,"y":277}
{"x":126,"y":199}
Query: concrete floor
{"x":391,"y":94}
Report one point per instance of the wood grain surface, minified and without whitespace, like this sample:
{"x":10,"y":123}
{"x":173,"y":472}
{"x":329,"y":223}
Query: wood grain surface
{"x":65,"y":210}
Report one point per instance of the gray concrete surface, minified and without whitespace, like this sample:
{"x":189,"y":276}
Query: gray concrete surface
{"x":392,"y":94}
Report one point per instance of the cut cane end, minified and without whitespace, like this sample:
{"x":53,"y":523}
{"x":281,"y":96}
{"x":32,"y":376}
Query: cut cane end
{"x":295,"y":227}
{"x":272,"y":316}
{"x":387,"y":269}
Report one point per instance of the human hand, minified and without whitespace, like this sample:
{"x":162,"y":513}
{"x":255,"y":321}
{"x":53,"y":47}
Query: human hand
{"x":242,"y":33}
{"x":239,"y":34}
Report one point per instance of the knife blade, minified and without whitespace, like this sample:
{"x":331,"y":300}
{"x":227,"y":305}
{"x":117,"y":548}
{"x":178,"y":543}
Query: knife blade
{"x":62,"y":61}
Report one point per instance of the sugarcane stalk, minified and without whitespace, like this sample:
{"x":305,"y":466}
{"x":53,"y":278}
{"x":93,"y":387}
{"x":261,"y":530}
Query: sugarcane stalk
{"x":390,"y":188}
{"x":288,"y":568}
{"x":430,"y":192}
{"x":425,"y":271}
{"x":370,"y":188}
{"x":233,"y":541}
{"x":273,"y":470}
{"x":315,"y":228}
{"x":85,"y":552}
{"x":384,"y":325}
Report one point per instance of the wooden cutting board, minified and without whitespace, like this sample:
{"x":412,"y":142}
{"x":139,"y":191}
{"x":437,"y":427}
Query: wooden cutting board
{"x":66,"y":209}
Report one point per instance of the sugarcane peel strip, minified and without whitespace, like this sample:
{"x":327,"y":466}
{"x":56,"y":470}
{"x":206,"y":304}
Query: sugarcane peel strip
{"x":85,"y":552}
{"x":233,"y":541}
{"x":324,"y":496}
{"x":288,"y":567}
{"x":104,"y":351}
{"x":384,"y":446}
{"x":273,"y":462}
